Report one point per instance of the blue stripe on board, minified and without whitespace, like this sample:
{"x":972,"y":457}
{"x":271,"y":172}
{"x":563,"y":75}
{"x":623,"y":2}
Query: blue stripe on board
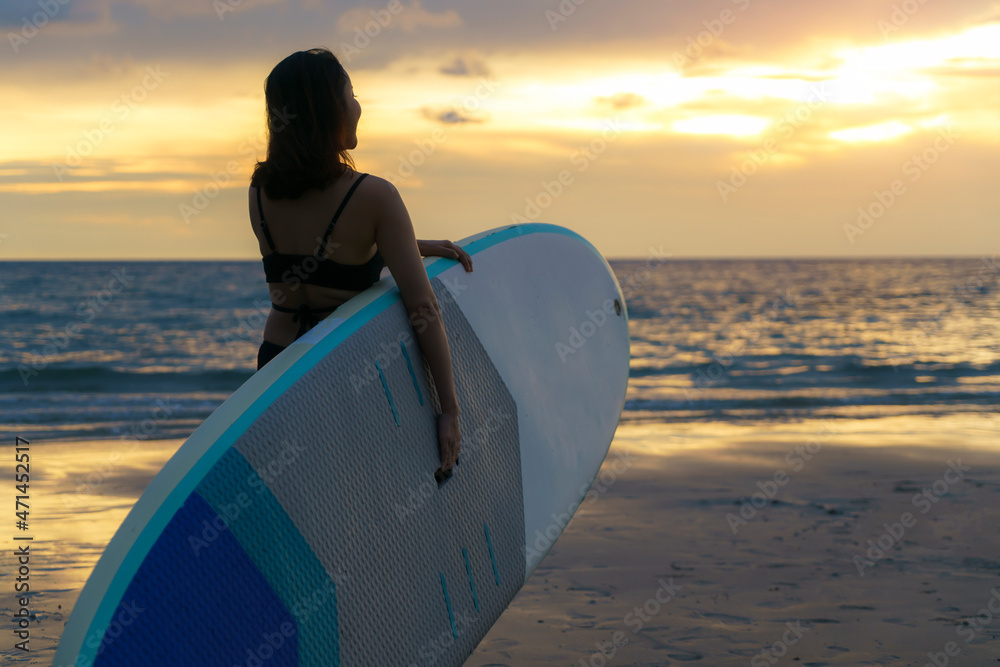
{"x":267,"y":533}
{"x":447,"y":601}
{"x":161,"y":516}
{"x":493,"y":560}
{"x":388,"y":394}
{"x":413,"y":376}
{"x":242,"y":617}
{"x":472,"y":584}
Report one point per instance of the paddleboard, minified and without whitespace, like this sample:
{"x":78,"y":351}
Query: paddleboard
{"x":301,"y":523}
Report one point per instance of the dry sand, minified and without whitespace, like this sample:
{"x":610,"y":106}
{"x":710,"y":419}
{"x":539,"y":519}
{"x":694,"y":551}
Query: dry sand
{"x":654,"y":564}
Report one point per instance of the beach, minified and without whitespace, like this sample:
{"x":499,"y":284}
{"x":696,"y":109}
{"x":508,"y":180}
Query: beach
{"x":805,"y":471}
{"x":664,"y":563}
{"x":654,"y":565}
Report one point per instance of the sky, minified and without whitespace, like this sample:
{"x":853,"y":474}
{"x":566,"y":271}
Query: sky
{"x":691,"y":128}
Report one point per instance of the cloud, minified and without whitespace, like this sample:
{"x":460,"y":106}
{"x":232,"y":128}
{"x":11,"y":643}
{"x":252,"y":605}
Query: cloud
{"x":409,"y":18}
{"x":451,"y":116}
{"x":17,"y":12}
{"x":977,"y":67}
{"x":463,"y":67}
{"x":264,"y":31}
{"x":992,"y":15}
{"x":622,"y":101}
{"x":29,"y":17}
{"x":167,"y":9}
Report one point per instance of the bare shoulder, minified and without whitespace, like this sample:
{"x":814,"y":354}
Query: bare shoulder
{"x":252,"y":206}
{"x":377,"y":187}
{"x":381,"y":198}
{"x":252,"y":201}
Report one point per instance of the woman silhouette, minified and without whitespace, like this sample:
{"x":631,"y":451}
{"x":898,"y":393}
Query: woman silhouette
{"x":324,"y":229}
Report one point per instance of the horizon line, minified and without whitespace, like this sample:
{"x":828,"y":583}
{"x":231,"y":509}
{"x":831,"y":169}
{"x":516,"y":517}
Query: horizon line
{"x":608,"y":258}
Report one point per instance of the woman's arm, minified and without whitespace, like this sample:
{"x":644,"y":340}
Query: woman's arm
{"x":397,"y":243}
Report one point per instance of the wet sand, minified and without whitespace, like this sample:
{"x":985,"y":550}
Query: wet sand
{"x":665,"y":563}
{"x":654,"y":573}
{"x":80,"y":492}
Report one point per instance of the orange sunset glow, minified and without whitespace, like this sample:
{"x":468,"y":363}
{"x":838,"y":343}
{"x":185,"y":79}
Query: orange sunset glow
{"x":724,"y":128}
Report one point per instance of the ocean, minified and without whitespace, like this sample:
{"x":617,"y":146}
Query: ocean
{"x":148,"y":349}
{"x":857,"y":381}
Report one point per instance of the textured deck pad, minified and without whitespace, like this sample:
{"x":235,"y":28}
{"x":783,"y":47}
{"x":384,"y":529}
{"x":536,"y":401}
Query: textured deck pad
{"x":420,"y":573}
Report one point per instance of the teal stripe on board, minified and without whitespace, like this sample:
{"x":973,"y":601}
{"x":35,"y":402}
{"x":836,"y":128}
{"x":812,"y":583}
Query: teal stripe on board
{"x":468,"y":571}
{"x":447,"y":601}
{"x":493,"y":560}
{"x":413,"y":376}
{"x":236,"y":492}
{"x":388,"y":394}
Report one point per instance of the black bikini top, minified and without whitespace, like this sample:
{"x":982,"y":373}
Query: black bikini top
{"x":315,"y":269}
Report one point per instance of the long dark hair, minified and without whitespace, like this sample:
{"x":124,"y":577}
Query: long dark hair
{"x":306,"y":125}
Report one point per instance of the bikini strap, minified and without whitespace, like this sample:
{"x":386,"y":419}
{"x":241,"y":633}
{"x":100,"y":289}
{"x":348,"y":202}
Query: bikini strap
{"x":329,"y":228}
{"x":263,"y":225}
{"x":297,"y":311}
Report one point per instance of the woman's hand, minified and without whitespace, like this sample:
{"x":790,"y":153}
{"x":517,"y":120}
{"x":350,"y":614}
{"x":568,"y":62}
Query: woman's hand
{"x":445,"y":249}
{"x":449,"y":440}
